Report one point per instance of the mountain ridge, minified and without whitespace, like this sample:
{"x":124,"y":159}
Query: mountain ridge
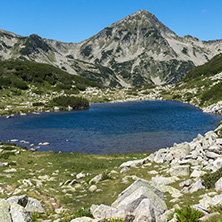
{"x":136,"y":50}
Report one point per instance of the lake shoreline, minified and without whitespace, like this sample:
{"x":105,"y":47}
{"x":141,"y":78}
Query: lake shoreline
{"x":44,"y":140}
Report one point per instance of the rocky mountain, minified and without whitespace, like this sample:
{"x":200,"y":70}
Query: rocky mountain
{"x":134,"y":51}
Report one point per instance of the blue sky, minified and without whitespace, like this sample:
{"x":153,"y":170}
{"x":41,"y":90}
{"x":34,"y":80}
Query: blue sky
{"x":77,"y":20}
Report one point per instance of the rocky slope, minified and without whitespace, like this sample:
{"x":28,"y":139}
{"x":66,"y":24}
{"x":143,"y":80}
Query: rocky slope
{"x":134,"y":51}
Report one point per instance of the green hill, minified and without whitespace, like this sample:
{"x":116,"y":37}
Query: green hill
{"x":28,"y":86}
{"x":20,"y":74}
{"x":203,"y":84}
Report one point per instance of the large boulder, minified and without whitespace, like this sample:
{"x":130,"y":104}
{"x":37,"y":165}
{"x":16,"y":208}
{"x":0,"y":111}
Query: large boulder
{"x":34,"y":205}
{"x":131,"y":198}
{"x":19,"y":214}
{"x":4,"y":211}
{"x":21,"y":200}
{"x":139,"y":202}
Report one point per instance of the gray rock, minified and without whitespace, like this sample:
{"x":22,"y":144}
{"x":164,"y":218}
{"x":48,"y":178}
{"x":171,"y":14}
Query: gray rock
{"x":67,"y":182}
{"x":96,"y":179}
{"x":219,"y":141}
{"x":80,"y":175}
{"x":212,"y":155}
{"x":197,"y":173}
{"x":124,"y":169}
{"x":83,"y":219}
{"x":185,"y":190}
{"x":73,"y":182}
{"x":34,"y":205}
{"x":130,"y":198}
{"x":4,"y":211}
{"x":180,"y":171}
{"x":159,"y":156}
{"x":19,"y":214}
{"x":144,"y":212}
{"x":215,"y":149}
{"x":185,"y":183}
{"x":5,"y":164}
{"x":133,"y":163}
{"x":93,"y":188}
{"x":160,"y":180}
{"x":21,"y":200}
{"x":151,"y":157}
{"x":152,"y":172}
{"x":103,"y":212}
{"x":169,"y":158}
{"x":207,"y":201}
{"x":197,"y":186}
{"x":218,"y":185}
{"x":208,"y":217}
{"x":217,"y":164}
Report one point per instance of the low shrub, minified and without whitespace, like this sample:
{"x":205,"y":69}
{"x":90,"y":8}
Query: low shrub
{"x":106,"y":176}
{"x":83,"y":212}
{"x":188,"y":214}
{"x":20,"y":84}
{"x":74,"y":102}
{"x":209,"y":179}
{"x":6,"y":155}
{"x":8,"y":148}
{"x":38,"y":104}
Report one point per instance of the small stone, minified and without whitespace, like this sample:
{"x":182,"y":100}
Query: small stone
{"x":197,"y":173}
{"x":96,"y":179}
{"x":124,"y":169}
{"x":197,"y":186}
{"x":80,"y":175}
{"x":73,"y":182}
{"x":152,"y":172}
{"x":185,"y":183}
{"x":67,"y":182}
{"x":93,"y":188}
{"x":218,"y":185}
{"x":10,"y":170}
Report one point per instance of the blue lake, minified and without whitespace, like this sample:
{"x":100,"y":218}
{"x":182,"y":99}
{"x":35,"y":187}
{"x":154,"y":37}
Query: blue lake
{"x":106,"y":128}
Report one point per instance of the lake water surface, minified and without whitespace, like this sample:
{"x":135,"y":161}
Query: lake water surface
{"x":106,"y":128}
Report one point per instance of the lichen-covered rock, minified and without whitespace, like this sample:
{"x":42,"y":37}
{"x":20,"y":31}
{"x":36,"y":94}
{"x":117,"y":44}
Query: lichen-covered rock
{"x":218,"y":185}
{"x":4,"y":211}
{"x":140,"y":202}
{"x":96,"y":179}
{"x":83,"y":219}
{"x":130,"y":198}
{"x":21,"y":200}
{"x":103,"y":212}
{"x":180,"y":171}
{"x":19,"y":214}
{"x":34,"y":205}
{"x":197,"y":186}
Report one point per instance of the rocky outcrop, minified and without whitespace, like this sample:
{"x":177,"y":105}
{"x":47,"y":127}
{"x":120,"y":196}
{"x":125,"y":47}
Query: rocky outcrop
{"x":214,"y":108}
{"x":19,"y":208}
{"x":140,"y":202}
{"x":203,"y":152}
